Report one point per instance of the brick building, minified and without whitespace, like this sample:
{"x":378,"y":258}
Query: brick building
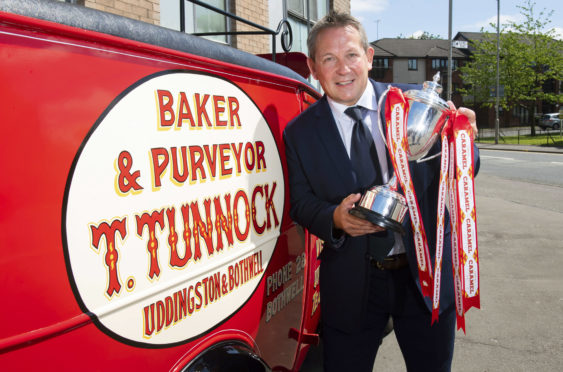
{"x":415,"y":61}
{"x":301,"y":14}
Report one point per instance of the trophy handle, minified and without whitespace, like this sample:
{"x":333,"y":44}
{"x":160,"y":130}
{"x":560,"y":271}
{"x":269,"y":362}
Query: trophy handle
{"x":441,"y":125}
{"x":422,"y":160}
{"x":379,"y":113}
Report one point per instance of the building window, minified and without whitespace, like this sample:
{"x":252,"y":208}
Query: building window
{"x":196,"y":18}
{"x":380,"y":67}
{"x":442,"y":64}
{"x":381,"y":63}
{"x":413,"y":65}
{"x":206,"y":20}
{"x":302,"y":15}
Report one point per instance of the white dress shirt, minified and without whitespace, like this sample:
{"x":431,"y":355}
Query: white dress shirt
{"x":345,"y":125}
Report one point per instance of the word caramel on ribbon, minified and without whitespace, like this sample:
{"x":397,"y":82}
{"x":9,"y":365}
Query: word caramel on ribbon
{"x":457,"y":147}
{"x":442,"y":191}
{"x":456,"y":187}
{"x":396,"y":106}
{"x":452,"y":206}
{"x":467,"y":219}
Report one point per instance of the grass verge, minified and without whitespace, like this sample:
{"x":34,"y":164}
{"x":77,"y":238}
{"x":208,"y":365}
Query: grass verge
{"x":551,"y":140}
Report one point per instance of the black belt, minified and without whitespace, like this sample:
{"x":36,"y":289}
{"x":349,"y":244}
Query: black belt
{"x":394,"y":262}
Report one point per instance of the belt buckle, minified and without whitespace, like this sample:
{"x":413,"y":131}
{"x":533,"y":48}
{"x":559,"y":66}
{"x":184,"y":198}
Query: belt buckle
{"x":379,"y":265}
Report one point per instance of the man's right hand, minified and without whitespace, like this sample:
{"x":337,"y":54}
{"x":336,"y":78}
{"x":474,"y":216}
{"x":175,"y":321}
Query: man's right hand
{"x":350,"y":224}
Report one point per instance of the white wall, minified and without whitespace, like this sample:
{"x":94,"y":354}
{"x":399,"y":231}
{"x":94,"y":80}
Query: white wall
{"x":402,"y":74}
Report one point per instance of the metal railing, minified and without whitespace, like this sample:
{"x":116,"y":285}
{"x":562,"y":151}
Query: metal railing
{"x":286,"y":36}
{"x":484,"y":133}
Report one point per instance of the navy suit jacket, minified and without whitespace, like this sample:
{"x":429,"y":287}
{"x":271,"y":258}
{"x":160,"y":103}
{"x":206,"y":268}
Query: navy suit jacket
{"x":320,"y":177}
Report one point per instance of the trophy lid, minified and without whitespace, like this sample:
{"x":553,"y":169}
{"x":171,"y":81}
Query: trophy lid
{"x":430,"y":94}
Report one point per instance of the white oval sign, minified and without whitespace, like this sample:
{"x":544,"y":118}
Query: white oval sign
{"x":173,"y":208}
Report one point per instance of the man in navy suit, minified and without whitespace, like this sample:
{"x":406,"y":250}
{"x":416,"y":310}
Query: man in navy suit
{"x":367,"y":274}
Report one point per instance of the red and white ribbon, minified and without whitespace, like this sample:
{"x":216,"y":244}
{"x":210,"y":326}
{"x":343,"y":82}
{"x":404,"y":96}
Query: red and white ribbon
{"x":395,"y":115}
{"x":457,"y":188}
{"x":442,"y":193}
{"x":467,"y":218}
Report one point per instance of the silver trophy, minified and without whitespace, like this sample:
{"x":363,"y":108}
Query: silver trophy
{"x":383,"y":205}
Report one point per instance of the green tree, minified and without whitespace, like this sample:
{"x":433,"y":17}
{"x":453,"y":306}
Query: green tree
{"x":424,"y":36}
{"x":529,"y":58}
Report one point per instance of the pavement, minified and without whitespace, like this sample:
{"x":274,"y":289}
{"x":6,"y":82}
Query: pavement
{"x":524,"y":340}
{"x":527,"y":148}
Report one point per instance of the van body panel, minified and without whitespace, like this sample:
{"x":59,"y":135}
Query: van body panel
{"x":145,"y":204}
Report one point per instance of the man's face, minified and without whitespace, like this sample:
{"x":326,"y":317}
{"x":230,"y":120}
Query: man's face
{"x":341,"y":64}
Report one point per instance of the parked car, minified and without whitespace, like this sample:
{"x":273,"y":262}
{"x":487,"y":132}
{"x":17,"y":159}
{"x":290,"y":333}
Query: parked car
{"x":550,"y":121}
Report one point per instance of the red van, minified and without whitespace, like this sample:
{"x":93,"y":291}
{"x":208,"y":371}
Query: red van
{"x":144,"y":200}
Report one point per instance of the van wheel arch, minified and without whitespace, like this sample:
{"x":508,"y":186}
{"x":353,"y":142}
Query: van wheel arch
{"x":227,"y":356}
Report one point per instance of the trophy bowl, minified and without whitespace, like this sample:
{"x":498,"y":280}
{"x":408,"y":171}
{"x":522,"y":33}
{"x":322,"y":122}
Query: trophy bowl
{"x":425,"y":119}
{"x":382,"y":206}
{"x":426,"y":115}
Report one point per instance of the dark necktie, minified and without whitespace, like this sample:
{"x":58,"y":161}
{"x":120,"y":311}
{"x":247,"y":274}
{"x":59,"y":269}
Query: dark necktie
{"x":365,"y":162}
{"x":363,"y":153}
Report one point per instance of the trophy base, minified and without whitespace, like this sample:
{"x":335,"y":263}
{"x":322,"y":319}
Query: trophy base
{"x":377,"y":219}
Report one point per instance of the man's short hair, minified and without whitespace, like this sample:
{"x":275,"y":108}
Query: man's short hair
{"x":334,"y":19}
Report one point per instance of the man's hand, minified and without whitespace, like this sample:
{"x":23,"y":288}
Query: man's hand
{"x":352,"y":225}
{"x":470,"y":114}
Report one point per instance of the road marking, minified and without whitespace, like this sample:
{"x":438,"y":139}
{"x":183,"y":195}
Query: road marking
{"x":495,"y":157}
{"x":557,"y":162}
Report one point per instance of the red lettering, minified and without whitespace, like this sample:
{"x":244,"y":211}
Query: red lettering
{"x":241,"y":236}
{"x":160,"y":316}
{"x":165,"y":108}
{"x":224,"y":158}
{"x":112,"y":255}
{"x":233,"y":112}
{"x":471,"y":277}
{"x":180,"y":178}
{"x":175,"y":260}
{"x":201,"y":228}
{"x":231,"y":278}
{"x":217,"y":282}
{"x":205,"y":290}
{"x":201,"y":110}
{"x":150,"y":220}
{"x":198,"y":295}
{"x":270,"y":207}
{"x":463,"y":153}
{"x":196,"y":162}
{"x":258,"y":228}
{"x":187,"y":233}
{"x":169,"y":310}
{"x":176,"y":304}
{"x":191,"y":300}
{"x":260,"y":161}
{"x":184,"y":111}
{"x":158,"y":167}
{"x":211,"y":159}
{"x":149,"y":321}
{"x":223,"y":223}
{"x":249,"y":162}
{"x":182,"y":304}
{"x":238,"y":152}
{"x":219,"y":108}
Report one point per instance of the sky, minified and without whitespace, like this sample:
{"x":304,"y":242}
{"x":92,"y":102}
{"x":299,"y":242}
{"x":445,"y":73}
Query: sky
{"x":392,"y":18}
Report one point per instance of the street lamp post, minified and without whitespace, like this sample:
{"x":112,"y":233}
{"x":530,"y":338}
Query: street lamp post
{"x":498,"y":68}
{"x":449,"y":94}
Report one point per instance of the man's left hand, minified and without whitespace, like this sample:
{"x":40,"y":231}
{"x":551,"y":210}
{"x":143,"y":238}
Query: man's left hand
{"x":470,"y":114}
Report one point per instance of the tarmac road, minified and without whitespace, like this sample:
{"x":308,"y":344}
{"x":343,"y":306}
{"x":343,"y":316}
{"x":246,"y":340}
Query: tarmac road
{"x":520,"y":324}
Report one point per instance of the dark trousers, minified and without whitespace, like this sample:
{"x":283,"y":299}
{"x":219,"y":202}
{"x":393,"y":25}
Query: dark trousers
{"x":393,"y":294}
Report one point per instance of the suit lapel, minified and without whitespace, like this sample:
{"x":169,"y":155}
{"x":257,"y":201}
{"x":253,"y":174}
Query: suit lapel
{"x":332,"y":142}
